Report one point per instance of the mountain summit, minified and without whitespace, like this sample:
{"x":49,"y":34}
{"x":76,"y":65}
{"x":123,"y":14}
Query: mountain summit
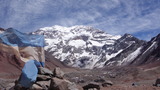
{"x":88,"y":47}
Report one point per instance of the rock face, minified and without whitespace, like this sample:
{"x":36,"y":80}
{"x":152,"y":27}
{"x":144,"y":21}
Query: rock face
{"x":87,"y":47}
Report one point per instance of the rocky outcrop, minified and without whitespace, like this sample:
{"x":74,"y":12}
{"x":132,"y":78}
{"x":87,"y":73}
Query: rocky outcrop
{"x":48,"y":80}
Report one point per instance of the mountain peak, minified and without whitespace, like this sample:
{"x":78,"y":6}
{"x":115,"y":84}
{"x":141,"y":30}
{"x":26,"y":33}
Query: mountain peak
{"x":64,"y":29}
{"x":128,"y":35}
{"x":1,"y":30}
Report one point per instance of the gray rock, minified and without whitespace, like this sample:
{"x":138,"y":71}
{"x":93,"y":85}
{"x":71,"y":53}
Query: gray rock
{"x":107,"y":83}
{"x":158,"y":85}
{"x":44,"y":71}
{"x":92,"y":86}
{"x":135,"y":84}
{"x":58,"y":73}
{"x":43,"y":77}
{"x":62,"y":84}
{"x":157,"y":82}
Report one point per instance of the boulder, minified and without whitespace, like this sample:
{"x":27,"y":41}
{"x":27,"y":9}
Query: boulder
{"x":44,"y":84}
{"x":36,"y":87}
{"x":157,"y":82}
{"x":58,"y":73}
{"x":43,"y":77}
{"x":135,"y":84}
{"x":44,"y":71}
{"x":62,"y":84}
{"x":107,"y":83}
{"x":92,"y":86}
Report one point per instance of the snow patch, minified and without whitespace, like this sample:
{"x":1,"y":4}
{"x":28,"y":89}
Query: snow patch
{"x":130,"y":57}
{"x":77,"y":43}
{"x":150,"y":47}
{"x":95,"y":43}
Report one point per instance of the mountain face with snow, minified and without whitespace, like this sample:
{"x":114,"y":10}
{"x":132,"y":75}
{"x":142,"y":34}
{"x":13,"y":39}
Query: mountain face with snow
{"x":87,"y":47}
{"x":131,"y":48}
{"x":150,"y":52}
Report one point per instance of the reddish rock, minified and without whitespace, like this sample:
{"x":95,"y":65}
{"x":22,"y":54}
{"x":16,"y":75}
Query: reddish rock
{"x":10,"y":66}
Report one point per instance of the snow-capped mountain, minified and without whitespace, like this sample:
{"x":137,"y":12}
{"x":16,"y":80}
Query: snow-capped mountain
{"x":87,"y":47}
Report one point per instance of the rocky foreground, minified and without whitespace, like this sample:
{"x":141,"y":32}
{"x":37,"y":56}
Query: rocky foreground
{"x":129,"y":78}
{"x":126,"y":78}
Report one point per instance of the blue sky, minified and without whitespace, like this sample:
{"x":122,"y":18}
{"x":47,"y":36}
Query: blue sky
{"x":140,"y":18}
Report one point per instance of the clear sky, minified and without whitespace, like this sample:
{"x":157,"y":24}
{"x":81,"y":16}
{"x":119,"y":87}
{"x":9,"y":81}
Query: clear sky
{"x":140,"y":18}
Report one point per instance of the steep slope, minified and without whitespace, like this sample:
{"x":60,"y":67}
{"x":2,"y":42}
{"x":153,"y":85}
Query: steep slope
{"x":131,"y":48}
{"x":87,"y":47}
{"x":150,"y":52}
